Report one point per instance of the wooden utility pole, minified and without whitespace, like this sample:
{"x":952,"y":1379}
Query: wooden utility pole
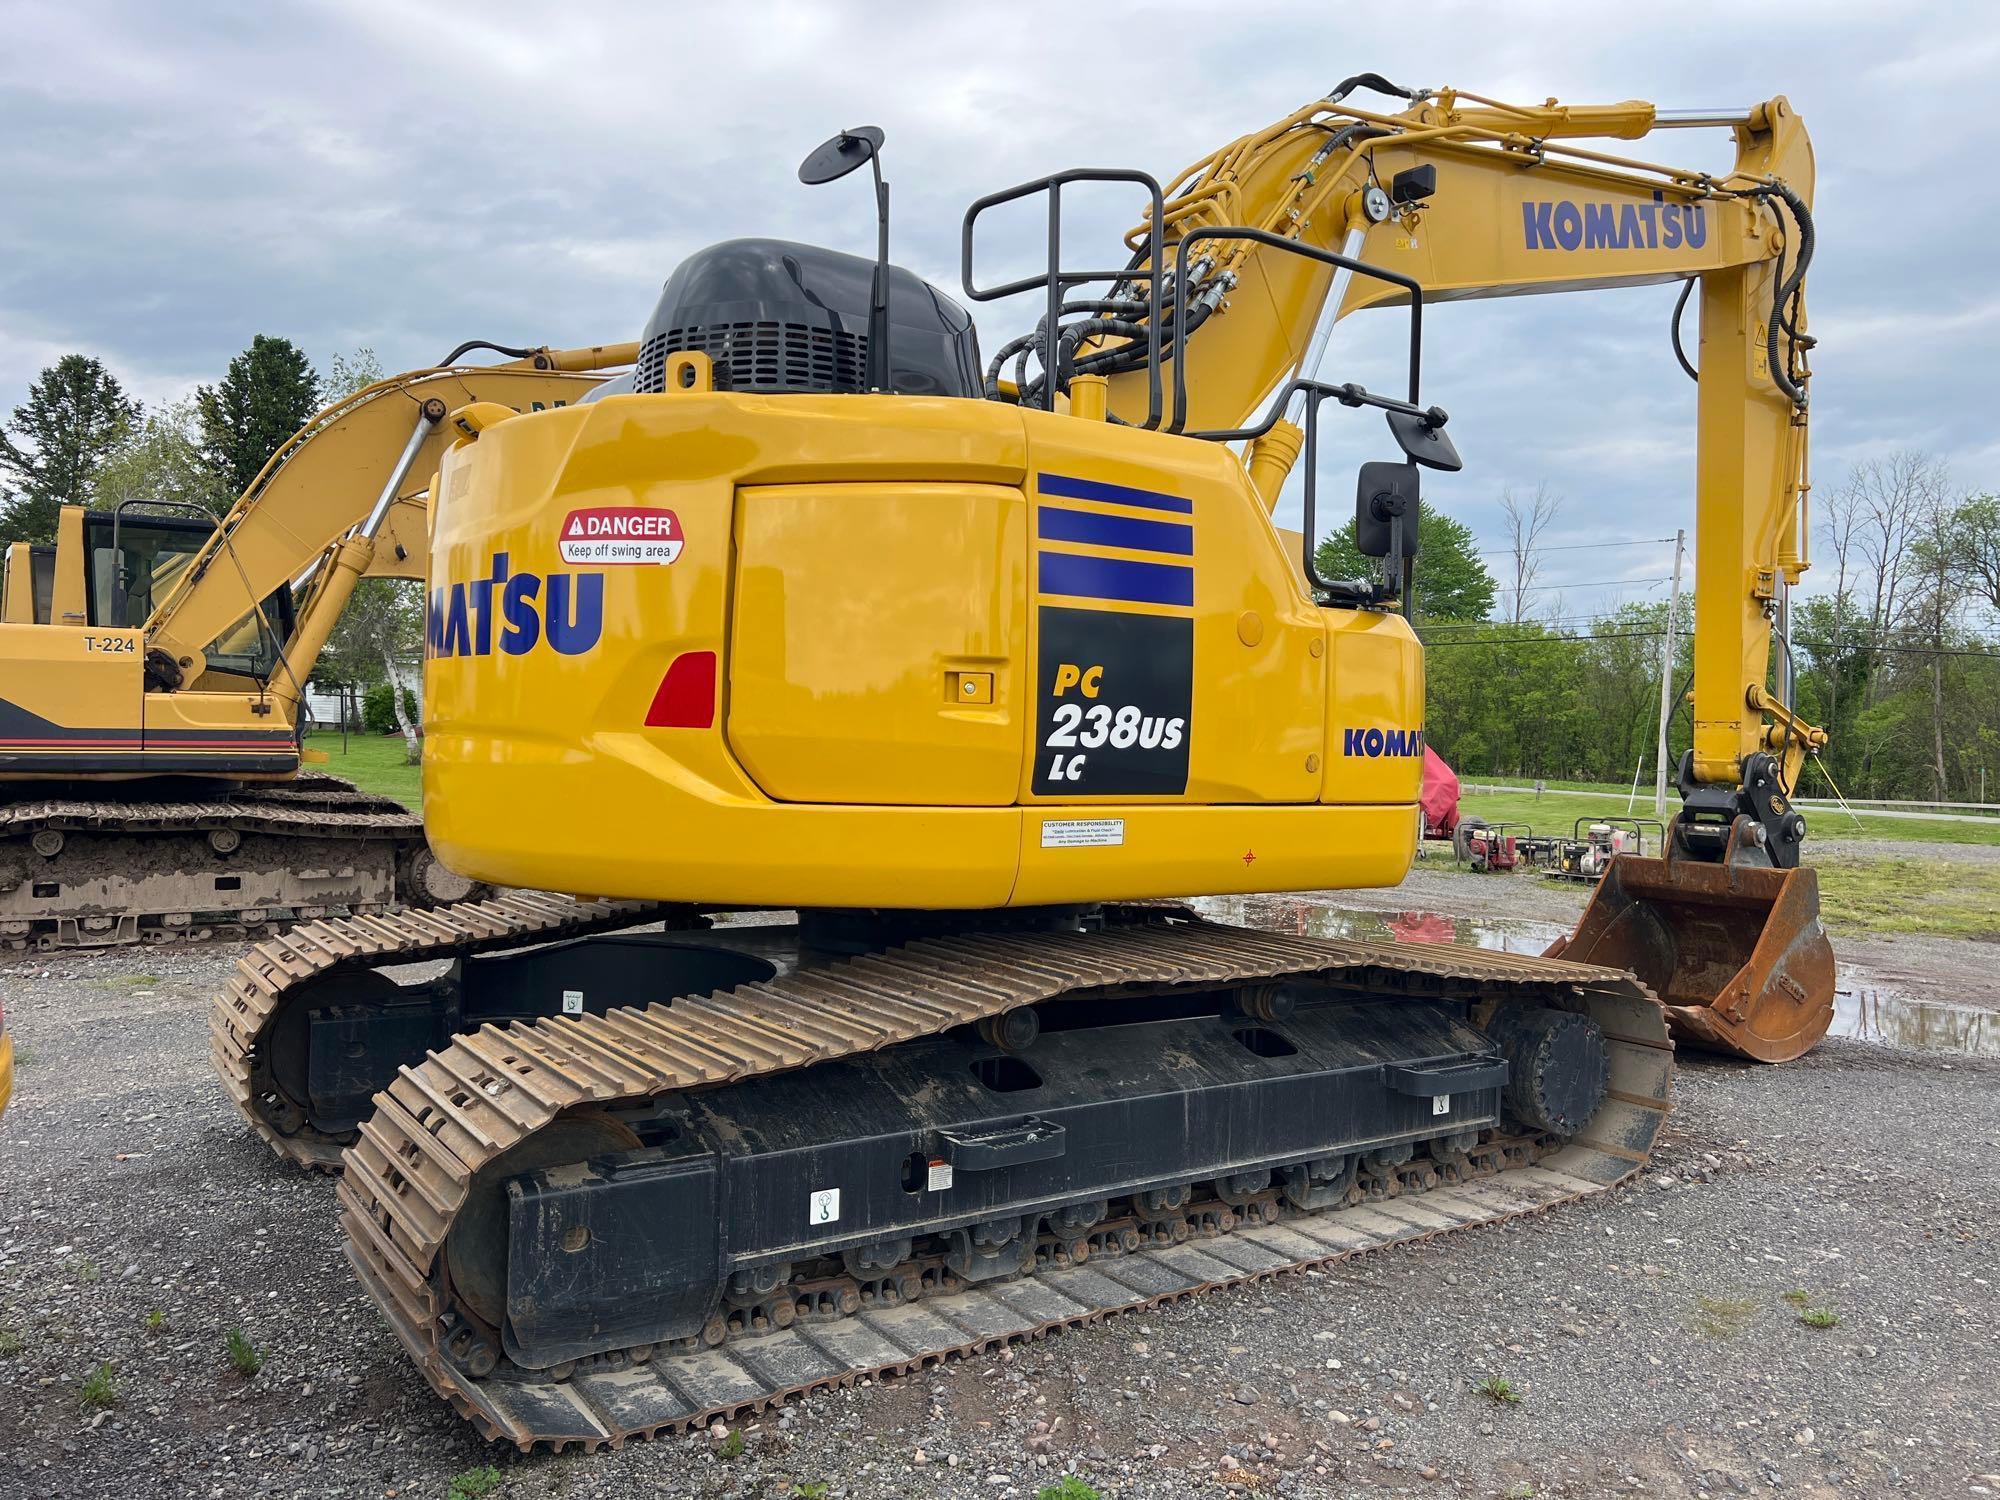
{"x":1667,"y":681}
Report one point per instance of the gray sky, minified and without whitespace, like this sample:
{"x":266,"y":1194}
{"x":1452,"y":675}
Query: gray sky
{"x":405,"y":175}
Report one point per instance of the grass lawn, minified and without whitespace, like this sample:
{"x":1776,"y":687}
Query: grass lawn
{"x":1555,"y":813}
{"x":373,"y":762}
{"x":1911,"y":895}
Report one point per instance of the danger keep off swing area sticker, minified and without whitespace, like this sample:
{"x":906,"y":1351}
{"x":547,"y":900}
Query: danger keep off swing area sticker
{"x":620,"y":536}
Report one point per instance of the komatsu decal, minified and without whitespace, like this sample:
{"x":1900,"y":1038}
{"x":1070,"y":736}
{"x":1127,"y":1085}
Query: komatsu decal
{"x":1375,"y":743}
{"x":515,"y":612}
{"x":1560,"y":224}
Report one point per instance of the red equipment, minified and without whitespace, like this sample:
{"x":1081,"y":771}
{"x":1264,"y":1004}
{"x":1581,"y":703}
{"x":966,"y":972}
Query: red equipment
{"x":1438,"y":796}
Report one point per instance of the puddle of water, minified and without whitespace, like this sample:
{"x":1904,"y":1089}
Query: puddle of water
{"x":1305,"y":916}
{"x":1863,"y":1006}
{"x":1875,"y":1012}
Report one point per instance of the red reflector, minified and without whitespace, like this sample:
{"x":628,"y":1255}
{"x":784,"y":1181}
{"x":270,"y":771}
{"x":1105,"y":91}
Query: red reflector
{"x":686,"y":699}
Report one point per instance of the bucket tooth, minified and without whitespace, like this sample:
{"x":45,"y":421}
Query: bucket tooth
{"x":1735,"y":952}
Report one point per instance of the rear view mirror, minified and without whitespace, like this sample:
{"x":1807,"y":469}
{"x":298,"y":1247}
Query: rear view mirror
{"x":1386,"y":502}
{"x":1421,"y":436}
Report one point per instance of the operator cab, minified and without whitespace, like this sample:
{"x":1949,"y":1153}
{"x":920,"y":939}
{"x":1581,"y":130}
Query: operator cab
{"x":131,"y":563}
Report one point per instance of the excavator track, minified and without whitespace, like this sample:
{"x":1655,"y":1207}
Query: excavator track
{"x":270,"y":976}
{"x":411,"y":1172}
{"x":103,"y":871}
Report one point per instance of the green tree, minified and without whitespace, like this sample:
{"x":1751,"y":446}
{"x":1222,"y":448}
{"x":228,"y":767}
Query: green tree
{"x":1978,"y":523}
{"x":380,"y":640}
{"x":268,"y":393}
{"x":76,"y":414}
{"x":161,"y":459}
{"x":348,"y":373}
{"x":1452,"y":582}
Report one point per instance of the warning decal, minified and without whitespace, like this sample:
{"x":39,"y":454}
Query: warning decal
{"x":620,"y":535}
{"x":1082,"y":833}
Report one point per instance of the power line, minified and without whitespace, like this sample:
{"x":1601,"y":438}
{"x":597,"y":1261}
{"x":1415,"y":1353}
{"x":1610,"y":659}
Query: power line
{"x":1604,"y":583}
{"x":1637,"y":541}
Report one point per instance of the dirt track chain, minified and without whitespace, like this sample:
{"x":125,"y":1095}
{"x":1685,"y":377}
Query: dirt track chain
{"x":271,"y":972}
{"x":313,"y":805}
{"x":439,"y":1122}
{"x":309,"y":805}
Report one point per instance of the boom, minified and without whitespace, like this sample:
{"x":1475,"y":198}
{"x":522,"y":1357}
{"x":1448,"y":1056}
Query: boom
{"x":1474,"y":198}
{"x":374,"y":449}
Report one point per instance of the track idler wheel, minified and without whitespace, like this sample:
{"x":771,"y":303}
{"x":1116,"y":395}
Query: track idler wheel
{"x":475,"y":1252}
{"x":1557,"y":1067}
{"x":423,"y":881}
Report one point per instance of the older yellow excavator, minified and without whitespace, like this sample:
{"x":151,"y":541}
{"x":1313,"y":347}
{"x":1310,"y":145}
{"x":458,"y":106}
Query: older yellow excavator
{"x":973,"y":672}
{"x":152,"y":667}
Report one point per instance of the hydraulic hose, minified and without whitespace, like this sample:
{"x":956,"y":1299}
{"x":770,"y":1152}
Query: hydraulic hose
{"x":1788,"y":286}
{"x":1375,"y":83}
{"x":1674,"y":327}
{"x":470,"y":344}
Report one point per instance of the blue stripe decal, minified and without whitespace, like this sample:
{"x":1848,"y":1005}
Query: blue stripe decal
{"x":1055,"y":524}
{"x":1063,"y":487}
{"x":1115,"y":578}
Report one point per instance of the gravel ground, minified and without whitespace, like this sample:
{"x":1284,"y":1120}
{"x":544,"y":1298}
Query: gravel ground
{"x":1647,"y":1334}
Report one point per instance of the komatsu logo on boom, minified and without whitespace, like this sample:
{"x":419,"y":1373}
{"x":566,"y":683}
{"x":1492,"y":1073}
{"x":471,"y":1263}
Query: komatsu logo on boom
{"x":516,"y":612}
{"x":1560,"y":224}
{"x":1375,"y":743}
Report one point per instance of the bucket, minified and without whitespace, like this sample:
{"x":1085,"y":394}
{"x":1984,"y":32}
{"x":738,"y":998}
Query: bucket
{"x":1735,"y":952}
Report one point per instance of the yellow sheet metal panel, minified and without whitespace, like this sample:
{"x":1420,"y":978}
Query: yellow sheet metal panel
{"x":69,"y":605}
{"x":878,"y":642}
{"x":585,"y":653}
{"x":67,"y":694}
{"x":6,"y":1070}
{"x":541,"y":767}
{"x":618,"y":815}
{"x":1176,"y":651}
{"x":221,"y":728}
{"x":1086,"y":853}
{"x":17,"y":592}
{"x":1375,"y":710}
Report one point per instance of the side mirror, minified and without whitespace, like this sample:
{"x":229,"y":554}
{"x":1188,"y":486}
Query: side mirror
{"x":1386,"y":503}
{"x":1422,"y":438}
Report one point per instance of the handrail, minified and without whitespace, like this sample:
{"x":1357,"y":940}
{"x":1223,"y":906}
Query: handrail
{"x":1055,"y":279}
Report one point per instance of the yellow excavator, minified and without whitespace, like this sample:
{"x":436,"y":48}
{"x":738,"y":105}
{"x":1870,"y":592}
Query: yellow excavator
{"x":902,"y":693}
{"x":152,"y":667}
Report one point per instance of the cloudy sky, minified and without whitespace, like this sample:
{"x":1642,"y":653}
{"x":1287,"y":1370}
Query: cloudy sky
{"x":402,"y":175}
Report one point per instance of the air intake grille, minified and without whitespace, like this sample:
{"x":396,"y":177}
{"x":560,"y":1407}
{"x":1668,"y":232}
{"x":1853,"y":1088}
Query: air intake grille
{"x":761,"y":357}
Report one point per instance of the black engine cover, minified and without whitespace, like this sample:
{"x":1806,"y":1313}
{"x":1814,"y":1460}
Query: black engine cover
{"x":778,"y":316}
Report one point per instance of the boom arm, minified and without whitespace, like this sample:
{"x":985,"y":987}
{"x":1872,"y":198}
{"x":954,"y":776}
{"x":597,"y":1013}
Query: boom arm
{"x":1475,"y":198}
{"x":341,"y":500}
